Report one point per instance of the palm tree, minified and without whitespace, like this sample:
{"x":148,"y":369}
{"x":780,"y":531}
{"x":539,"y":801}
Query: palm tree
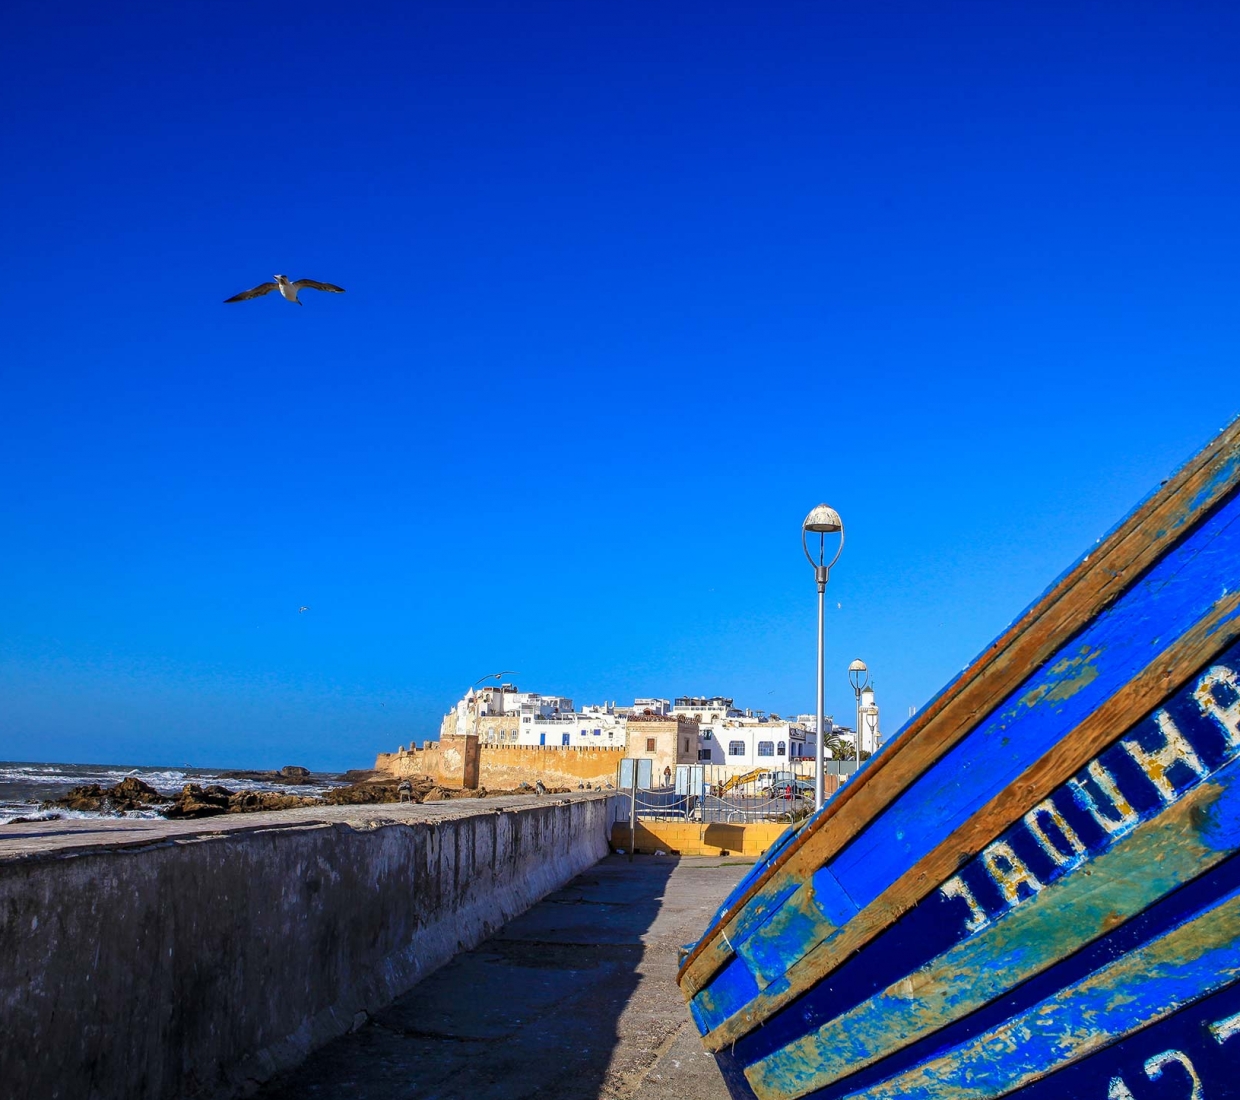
{"x":834,"y":746}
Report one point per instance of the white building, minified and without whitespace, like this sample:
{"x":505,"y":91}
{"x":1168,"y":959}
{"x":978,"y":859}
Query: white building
{"x":744,"y":744}
{"x":506,"y":716}
{"x":654,"y":706}
{"x":705,"y":709}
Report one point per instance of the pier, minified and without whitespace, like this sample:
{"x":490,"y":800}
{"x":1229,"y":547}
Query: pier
{"x":575,"y":999}
{"x":158,"y":959}
{"x":276,"y":952}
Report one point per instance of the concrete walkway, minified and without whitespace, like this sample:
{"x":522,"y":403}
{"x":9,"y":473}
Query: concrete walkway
{"x":575,"y":999}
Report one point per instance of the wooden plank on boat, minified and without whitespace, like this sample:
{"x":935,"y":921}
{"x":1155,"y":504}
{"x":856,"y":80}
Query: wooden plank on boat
{"x":963,"y":917}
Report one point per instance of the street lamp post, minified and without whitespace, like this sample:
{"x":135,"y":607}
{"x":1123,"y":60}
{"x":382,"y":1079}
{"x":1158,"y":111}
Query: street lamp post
{"x":859,"y":677}
{"x":822,"y":521}
{"x":488,"y":676}
{"x":871,"y":724}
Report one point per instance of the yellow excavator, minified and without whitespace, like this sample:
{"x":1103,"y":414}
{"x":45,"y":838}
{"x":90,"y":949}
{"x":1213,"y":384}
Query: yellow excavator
{"x":739,"y":780}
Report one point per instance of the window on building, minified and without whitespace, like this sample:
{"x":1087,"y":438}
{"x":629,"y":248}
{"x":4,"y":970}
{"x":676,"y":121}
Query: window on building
{"x":736,"y":748}
{"x":650,"y":744}
{"x":564,"y":738}
{"x":706,"y":735}
{"x":704,"y":754}
{"x":766,"y":748}
{"x":686,"y":744}
{"x":781,"y":749}
{"x":598,"y":733}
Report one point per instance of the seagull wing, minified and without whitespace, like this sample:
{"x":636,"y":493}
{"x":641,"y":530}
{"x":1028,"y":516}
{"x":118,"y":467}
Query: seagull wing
{"x":318,"y":286}
{"x":257,"y":292}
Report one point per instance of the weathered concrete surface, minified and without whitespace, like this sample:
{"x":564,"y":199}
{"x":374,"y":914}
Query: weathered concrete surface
{"x":576,"y":999}
{"x":145,"y":959}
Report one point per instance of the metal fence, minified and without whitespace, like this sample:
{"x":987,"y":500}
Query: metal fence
{"x":713,"y":793}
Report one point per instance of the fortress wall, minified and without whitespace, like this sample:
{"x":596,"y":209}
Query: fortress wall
{"x":505,"y":767}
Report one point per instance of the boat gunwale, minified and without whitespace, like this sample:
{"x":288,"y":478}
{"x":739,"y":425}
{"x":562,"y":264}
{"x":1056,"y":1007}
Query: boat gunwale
{"x":1114,"y":565}
{"x":1170,"y":671}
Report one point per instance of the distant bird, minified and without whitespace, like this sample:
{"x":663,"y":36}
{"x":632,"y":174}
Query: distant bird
{"x":538,"y":786}
{"x":302,"y":609}
{"x":287,"y":290}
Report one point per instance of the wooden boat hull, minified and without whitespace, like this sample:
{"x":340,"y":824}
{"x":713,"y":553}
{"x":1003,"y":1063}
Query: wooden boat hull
{"x":1034,"y":887}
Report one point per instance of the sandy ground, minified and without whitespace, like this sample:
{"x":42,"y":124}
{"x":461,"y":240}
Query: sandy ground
{"x":575,"y":999}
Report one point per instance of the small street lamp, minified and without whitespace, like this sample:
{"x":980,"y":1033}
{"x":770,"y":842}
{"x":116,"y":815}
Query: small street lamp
{"x":474,"y":699}
{"x":859,"y":677}
{"x":871,"y":724}
{"x":822,"y":521}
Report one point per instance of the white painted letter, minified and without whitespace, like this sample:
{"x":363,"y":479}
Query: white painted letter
{"x":1008,"y":871}
{"x":1222,"y":1030}
{"x":1117,"y":804}
{"x":955,"y":887}
{"x":1154,"y":1068}
{"x":1047,"y":809}
{"x":1156,"y":763}
{"x":1227,"y":717}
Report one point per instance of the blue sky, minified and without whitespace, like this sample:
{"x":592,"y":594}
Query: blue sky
{"x":629,"y":289}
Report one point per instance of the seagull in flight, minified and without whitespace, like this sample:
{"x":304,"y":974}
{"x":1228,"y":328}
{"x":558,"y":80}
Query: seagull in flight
{"x":302,"y":610}
{"x":287,"y":289}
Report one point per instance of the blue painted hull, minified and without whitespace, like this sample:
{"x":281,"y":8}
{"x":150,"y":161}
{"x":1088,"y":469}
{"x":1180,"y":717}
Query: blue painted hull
{"x":1035,"y":888}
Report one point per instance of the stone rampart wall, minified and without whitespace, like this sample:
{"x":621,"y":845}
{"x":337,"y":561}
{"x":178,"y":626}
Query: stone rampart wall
{"x":200,"y":960}
{"x":505,"y":767}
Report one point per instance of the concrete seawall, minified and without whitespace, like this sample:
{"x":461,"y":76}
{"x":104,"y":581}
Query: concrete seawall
{"x":195,"y":959}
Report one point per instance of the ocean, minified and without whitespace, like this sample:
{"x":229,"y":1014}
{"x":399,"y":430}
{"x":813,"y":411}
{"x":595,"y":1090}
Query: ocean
{"x":23,"y":786}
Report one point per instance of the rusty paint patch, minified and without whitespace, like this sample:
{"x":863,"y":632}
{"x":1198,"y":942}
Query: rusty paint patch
{"x":1070,"y":675}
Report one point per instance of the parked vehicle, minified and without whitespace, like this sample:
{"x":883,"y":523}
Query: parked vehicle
{"x":789,"y":788}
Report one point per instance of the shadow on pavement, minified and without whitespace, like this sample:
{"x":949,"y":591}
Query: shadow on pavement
{"x":573,"y":999}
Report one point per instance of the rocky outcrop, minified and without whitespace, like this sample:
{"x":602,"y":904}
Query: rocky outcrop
{"x":195,"y":800}
{"x":129,"y":794}
{"x":247,"y":802}
{"x":198,"y":801}
{"x":291,"y":775}
{"x":358,"y":794}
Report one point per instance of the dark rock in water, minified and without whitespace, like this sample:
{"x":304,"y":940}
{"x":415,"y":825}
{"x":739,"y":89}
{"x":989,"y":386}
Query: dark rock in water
{"x":129,"y":794}
{"x":362,"y":775}
{"x":357,"y":794}
{"x":196,"y":801}
{"x":133,"y":790}
{"x":247,"y":802}
{"x":291,"y":775}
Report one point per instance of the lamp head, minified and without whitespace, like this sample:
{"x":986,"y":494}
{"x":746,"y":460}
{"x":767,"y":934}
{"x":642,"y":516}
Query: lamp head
{"x":823,"y":520}
{"x":858,"y":674}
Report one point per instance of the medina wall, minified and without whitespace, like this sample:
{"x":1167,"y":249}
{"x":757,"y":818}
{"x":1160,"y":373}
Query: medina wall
{"x":506,"y":767}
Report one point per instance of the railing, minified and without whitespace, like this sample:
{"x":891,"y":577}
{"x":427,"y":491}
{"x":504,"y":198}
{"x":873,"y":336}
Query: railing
{"x":706,"y":793}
